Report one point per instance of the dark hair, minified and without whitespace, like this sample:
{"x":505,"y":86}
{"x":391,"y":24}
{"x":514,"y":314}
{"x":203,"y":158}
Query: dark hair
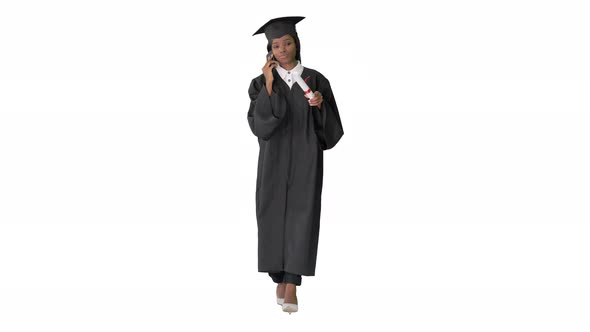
{"x":297,"y":45}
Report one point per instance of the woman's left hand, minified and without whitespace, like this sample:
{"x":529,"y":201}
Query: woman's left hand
{"x":316,"y":100}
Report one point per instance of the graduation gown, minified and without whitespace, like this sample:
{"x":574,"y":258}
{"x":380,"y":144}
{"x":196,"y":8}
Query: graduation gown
{"x":292,"y":137}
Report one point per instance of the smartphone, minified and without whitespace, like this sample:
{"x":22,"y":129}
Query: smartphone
{"x":269,"y":55}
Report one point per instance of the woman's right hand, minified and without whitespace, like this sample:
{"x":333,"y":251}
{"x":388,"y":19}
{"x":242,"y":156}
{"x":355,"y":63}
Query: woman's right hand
{"x":268,"y":66}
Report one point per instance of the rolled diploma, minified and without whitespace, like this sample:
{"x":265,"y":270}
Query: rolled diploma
{"x":306,"y":90}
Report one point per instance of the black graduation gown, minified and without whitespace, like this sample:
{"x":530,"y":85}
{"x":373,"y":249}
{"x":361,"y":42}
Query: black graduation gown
{"x":292,"y":136}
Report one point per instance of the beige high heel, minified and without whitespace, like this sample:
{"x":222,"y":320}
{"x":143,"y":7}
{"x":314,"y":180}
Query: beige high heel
{"x":290,"y":307}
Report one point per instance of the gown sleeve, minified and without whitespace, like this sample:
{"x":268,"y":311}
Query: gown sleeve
{"x":328,"y":125}
{"x":266,"y":112}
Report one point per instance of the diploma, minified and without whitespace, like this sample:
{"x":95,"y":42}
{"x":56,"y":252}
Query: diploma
{"x":306,"y":90}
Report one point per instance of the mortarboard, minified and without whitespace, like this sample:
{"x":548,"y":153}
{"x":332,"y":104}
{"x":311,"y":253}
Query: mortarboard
{"x":278,"y":27}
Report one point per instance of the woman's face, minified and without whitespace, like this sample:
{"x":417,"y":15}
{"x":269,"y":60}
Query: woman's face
{"x":284,"y":49}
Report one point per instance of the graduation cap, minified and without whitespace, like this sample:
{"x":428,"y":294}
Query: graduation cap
{"x":278,"y":27}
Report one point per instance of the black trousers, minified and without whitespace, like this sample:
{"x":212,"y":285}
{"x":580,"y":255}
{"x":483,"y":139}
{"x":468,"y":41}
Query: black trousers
{"x":286,"y":277}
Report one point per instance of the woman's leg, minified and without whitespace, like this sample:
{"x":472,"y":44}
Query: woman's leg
{"x":291,"y":282}
{"x":278,"y":277}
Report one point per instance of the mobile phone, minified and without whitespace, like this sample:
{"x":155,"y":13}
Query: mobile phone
{"x":269,"y":55}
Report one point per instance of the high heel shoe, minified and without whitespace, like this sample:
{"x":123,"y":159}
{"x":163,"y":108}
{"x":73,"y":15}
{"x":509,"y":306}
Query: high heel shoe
{"x":280,"y":300}
{"x":290,"y":307}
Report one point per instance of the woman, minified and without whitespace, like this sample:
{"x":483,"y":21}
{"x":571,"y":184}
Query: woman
{"x":292,"y":133}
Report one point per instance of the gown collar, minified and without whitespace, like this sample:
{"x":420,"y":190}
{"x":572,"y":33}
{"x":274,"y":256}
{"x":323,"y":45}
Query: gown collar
{"x":286,"y":75}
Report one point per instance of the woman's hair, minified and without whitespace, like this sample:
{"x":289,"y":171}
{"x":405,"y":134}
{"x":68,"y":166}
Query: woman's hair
{"x":297,"y":46}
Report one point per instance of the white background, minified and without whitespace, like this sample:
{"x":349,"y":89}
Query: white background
{"x":457,"y":199}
